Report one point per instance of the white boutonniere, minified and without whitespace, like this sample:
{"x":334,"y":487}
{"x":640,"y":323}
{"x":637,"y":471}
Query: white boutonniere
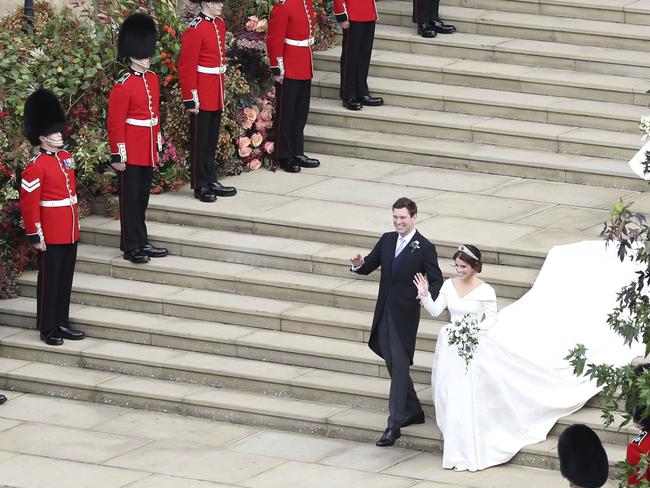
{"x":415,"y":245}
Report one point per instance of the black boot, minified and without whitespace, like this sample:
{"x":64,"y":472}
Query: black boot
{"x":371,"y":101}
{"x":52,"y":338}
{"x":205,"y":194}
{"x":136,"y":256}
{"x":426,"y":30}
{"x":291,"y":166}
{"x":154,"y":252}
{"x":223,"y":191}
{"x":307,"y":162}
{"x":68,"y":332}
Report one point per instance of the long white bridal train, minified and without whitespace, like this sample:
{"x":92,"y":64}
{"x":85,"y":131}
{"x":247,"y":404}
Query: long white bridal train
{"x":518,"y":383}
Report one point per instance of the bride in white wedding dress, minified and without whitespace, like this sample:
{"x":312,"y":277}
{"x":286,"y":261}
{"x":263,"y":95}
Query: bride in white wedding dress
{"x":518,"y":384}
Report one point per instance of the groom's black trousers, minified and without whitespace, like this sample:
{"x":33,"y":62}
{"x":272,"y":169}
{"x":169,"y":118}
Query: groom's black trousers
{"x":402,"y":401}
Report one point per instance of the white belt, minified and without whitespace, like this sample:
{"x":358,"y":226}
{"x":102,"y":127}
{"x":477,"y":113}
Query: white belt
{"x":305,"y":43}
{"x":66,"y":202}
{"x":216,"y":70}
{"x":143,"y":122}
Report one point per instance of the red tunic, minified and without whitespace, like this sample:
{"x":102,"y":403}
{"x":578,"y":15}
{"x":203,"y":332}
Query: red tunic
{"x":48,"y":198}
{"x":133,"y":119}
{"x":640,"y":445}
{"x":202,"y":63}
{"x":290,"y":38}
{"x":355,"y":10}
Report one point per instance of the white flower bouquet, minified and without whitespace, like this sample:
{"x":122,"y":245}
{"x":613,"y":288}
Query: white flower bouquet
{"x":463,"y":334}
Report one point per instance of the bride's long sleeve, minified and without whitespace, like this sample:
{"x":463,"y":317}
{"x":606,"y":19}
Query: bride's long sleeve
{"x":489,"y":314}
{"x":434,"y":308}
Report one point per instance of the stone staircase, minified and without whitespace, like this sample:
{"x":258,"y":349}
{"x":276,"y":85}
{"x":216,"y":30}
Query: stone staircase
{"x":512,"y":134}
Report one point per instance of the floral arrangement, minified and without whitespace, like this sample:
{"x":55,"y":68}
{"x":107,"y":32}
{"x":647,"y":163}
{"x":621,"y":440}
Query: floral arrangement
{"x":463,"y":334}
{"x":73,"y":54}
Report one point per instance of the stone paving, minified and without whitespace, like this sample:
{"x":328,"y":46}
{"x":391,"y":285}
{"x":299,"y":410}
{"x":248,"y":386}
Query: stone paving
{"x":50,"y":443}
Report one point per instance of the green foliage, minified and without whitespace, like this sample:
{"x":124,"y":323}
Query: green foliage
{"x":631,"y":320}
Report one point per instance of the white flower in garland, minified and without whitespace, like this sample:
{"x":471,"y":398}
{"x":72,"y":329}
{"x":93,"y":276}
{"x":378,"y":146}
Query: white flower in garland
{"x":644,"y":125}
{"x":463,"y":334}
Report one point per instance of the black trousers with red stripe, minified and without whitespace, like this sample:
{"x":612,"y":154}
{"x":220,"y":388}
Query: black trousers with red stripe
{"x":426,"y":11}
{"x":355,"y":59}
{"x":135,"y":186}
{"x":54,"y":285}
{"x":204,"y":136}
{"x":291,"y":111}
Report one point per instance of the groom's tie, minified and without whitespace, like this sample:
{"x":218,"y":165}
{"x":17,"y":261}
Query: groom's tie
{"x":398,"y":250}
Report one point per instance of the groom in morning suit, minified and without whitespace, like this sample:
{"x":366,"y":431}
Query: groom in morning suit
{"x":401,"y":255}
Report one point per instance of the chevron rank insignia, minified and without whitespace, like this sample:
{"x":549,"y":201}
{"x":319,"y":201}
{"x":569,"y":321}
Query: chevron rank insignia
{"x":30,"y":186}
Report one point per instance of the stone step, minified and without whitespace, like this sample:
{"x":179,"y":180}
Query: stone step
{"x":623,"y":11}
{"x":204,"y":305}
{"x":472,"y":157}
{"x":536,"y":27}
{"x":365,"y":384}
{"x":357,"y":213}
{"x":348,"y":367}
{"x":239,"y":279}
{"x":492,"y":103}
{"x":345,"y":422}
{"x":511,"y":50}
{"x":497,"y":76}
{"x":353,"y":358}
{"x":435,"y":124}
{"x":199,"y":249}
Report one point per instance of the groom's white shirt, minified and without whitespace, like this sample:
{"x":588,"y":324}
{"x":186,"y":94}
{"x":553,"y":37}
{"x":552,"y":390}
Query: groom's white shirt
{"x":407,"y":239}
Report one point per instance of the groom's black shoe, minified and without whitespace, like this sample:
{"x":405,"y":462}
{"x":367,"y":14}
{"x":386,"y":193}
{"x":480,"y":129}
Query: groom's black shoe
{"x":389,"y":437}
{"x":417,"y":418}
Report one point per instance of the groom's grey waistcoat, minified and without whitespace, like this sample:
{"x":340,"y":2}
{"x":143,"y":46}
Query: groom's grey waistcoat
{"x":396,"y":288}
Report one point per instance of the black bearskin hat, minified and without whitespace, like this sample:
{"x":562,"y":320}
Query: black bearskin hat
{"x":137,"y":37}
{"x":43,"y":115}
{"x":583,"y":460}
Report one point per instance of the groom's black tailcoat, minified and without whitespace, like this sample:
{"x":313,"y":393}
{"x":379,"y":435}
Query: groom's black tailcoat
{"x":396,"y":288}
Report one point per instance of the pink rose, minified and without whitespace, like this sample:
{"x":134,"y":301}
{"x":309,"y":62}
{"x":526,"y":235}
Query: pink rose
{"x":243,"y":142}
{"x":254,"y":164}
{"x":256,"y":139}
{"x":267,"y":113}
{"x":251,"y":114}
{"x":244,"y":152}
{"x":260,"y":125}
{"x":252,"y":23}
{"x":268,"y":147}
{"x":247,"y":124}
{"x":261,"y":26}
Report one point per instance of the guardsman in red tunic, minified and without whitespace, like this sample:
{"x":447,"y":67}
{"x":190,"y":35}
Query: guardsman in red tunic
{"x":134,"y":134}
{"x":426,"y":14}
{"x":48,"y":202}
{"x":289,"y":42}
{"x":201,"y":69}
{"x":357,"y":18}
{"x":640,"y":445}
{"x":583,"y":460}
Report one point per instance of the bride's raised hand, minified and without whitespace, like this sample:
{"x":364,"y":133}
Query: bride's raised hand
{"x":422,"y":284}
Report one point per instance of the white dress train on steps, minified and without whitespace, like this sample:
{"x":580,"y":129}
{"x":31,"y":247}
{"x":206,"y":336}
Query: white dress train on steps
{"x":518,"y":384}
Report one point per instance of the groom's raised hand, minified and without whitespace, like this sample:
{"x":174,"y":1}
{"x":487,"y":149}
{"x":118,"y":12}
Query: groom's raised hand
{"x":357,"y":261}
